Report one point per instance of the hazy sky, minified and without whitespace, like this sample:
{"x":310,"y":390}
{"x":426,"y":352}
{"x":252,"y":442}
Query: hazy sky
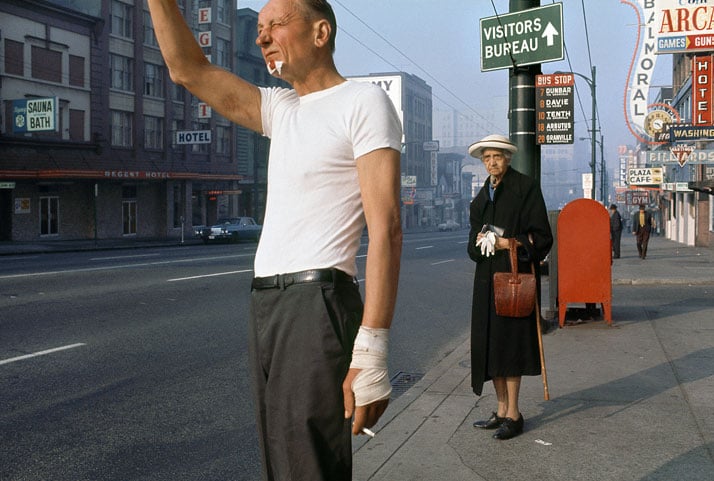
{"x":440,"y":41}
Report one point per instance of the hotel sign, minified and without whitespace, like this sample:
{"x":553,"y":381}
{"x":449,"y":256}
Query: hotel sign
{"x":184,"y":137}
{"x":702,"y":90}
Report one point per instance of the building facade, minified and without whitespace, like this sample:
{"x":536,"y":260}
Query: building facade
{"x":131,"y":154}
{"x":412,"y":99}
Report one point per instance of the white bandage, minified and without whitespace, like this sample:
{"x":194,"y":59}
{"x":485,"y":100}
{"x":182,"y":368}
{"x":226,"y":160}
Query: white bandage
{"x":370,"y":355}
{"x":275,"y":66}
{"x":487,"y":244}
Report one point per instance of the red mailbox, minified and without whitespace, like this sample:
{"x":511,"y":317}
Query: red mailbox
{"x":584,"y":257}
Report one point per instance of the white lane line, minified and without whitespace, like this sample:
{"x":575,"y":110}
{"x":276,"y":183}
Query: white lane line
{"x":136,"y":256}
{"x":209,"y":275}
{"x":124,"y":266}
{"x":442,"y":262}
{"x":41,"y":353}
{"x":424,"y":247}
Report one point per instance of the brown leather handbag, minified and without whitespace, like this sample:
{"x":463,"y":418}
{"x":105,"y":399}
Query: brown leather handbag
{"x":514,"y":292}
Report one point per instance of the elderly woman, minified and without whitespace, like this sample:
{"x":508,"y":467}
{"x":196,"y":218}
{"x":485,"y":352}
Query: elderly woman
{"x":503,"y":349}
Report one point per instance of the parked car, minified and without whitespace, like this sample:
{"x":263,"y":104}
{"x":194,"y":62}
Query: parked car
{"x":232,"y":229}
{"x":449,"y":225}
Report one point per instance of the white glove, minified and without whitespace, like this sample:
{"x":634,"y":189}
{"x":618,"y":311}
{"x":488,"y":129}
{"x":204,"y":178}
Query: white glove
{"x":370,"y":355}
{"x":487,"y":243}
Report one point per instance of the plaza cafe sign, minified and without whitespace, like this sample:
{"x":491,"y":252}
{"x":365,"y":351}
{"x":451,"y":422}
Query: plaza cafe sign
{"x":667,"y":26}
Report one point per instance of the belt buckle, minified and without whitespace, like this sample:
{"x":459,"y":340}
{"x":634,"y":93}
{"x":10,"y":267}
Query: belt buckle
{"x":285,"y":280}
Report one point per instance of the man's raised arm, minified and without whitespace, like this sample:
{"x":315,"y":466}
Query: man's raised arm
{"x":225,"y":92}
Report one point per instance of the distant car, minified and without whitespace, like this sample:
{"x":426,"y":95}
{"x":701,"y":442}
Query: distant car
{"x":449,"y":225}
{"x":233,"y":229}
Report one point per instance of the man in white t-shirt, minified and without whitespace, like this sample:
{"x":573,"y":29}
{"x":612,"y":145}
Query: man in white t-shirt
{"x":319,"y":355}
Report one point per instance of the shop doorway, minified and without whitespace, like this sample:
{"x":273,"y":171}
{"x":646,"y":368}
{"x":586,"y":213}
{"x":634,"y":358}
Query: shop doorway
{"x":129,"y":217}
{"x":49,"y":216}
{"x":5,"y":214}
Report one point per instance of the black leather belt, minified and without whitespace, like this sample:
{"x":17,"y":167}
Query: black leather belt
{"x":281,"y":281}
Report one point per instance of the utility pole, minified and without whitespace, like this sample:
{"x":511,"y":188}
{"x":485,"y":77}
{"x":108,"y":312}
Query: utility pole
{"x":603,"y":172}
{"x":593,"y":130}
{"x":522,"y":117}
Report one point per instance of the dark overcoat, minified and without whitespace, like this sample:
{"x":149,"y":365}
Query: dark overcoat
{"x":506,"y":346}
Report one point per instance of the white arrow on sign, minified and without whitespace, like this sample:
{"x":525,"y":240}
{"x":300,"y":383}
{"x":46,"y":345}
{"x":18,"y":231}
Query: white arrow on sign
{"x":549,"y":33}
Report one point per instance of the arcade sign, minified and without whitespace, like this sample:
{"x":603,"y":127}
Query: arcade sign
{"x":684,"y":26}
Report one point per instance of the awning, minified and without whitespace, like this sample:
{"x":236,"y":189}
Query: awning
{"x":705,"y":186}
{"x":114,"y":174}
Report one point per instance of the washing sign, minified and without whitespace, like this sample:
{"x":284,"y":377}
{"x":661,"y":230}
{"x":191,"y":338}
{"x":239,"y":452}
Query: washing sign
{"x":34,"y":115}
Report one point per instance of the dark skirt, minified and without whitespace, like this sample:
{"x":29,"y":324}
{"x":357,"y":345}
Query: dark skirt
{"x":501,"y":346}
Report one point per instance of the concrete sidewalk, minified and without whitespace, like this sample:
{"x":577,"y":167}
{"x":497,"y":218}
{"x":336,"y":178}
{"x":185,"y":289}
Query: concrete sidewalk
{"x":627,"y":402}
{"x":8,"y":248}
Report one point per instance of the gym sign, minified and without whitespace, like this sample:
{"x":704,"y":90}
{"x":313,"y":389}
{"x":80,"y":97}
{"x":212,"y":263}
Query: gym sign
{"x":34,"y":115}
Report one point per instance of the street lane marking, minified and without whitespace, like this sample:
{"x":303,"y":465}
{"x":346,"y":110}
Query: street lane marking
{"x":442,"y":262}
{"x":41,"y":353}
{"x":209,"y":275}
{"x":122,"y":266}
{"x":123,"y":257}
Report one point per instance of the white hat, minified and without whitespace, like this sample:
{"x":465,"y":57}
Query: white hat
{"x":493,"y":141}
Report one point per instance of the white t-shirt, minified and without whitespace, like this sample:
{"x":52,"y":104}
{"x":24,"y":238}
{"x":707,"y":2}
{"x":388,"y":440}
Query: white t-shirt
{"x":314,"y":217}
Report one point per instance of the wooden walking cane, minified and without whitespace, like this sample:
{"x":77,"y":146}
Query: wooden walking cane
{"x":546,"y":395}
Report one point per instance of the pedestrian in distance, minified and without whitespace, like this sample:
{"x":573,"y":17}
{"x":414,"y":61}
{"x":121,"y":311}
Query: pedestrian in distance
{"x":615,"y":231}
{"x":642,"y":225}
{"x":503,"y":349}
{"x":318,"y":351}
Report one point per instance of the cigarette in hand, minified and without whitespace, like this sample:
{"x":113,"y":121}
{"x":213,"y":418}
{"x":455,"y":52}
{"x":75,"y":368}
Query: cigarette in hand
{"x":368,"y":432}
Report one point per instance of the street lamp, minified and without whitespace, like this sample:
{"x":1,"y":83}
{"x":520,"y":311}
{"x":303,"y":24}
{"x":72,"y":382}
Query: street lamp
{"x":592,"y":85}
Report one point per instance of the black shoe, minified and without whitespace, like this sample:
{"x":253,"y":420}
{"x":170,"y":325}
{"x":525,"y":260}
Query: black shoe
{"x":509,"y":429}
{"x":493,"y":422}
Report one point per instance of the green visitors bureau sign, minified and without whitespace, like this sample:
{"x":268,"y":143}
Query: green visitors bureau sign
{"x":522,"y":38}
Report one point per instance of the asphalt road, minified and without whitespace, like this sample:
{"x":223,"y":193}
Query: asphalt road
{"x":131,"y":364}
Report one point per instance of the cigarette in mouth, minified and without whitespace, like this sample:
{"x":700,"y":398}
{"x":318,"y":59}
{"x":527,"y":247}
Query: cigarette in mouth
{"x":275,"y":66}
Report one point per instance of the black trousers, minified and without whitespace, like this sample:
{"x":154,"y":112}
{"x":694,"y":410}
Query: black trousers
{"x":301,"y":339}
{"x":616,"y":235}
{"x":643,"y":238}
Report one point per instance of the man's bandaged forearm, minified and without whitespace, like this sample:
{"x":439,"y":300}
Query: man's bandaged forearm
{"x":370,"y":355}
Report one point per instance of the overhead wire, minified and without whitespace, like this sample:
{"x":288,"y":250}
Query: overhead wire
{"x":416,"y":64}
{"x":590,"y":59}
{"x":447,"y":89}
{"x":396,"y":68}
